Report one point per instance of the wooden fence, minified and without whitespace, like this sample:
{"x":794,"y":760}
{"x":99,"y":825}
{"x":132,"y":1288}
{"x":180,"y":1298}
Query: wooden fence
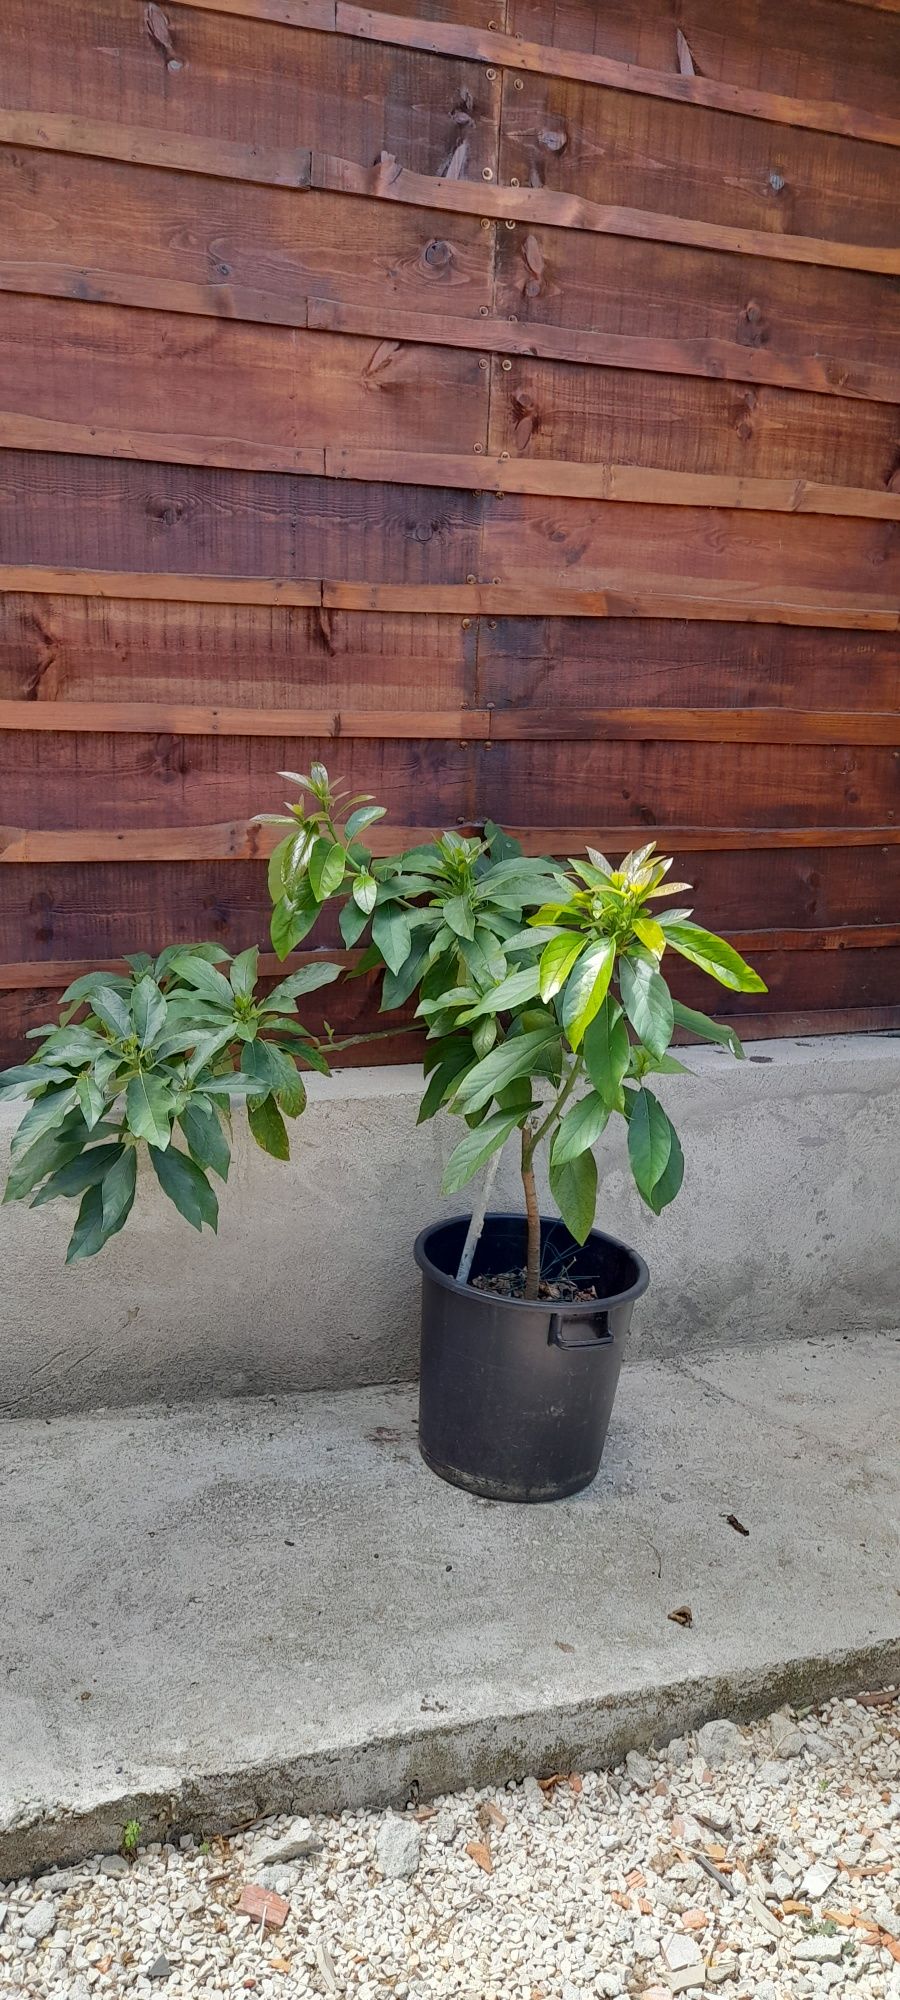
{"x":496,"y":398}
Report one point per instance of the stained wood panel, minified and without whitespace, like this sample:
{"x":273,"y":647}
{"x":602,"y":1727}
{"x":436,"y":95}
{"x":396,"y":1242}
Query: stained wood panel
{"x":260,"y":393}
{"x":242,"y":251}
{"x":807,"y":49}
{"x":308,"y":89}
{"x":686,"y":160}
{"x":325,"y":411}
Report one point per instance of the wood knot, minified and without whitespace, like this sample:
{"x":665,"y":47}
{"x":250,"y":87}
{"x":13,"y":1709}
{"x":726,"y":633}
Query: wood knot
{"x":533,"y":260}
{"x":553,"y":138}
{"x":438,"y":254}
{"x":159,"y":29}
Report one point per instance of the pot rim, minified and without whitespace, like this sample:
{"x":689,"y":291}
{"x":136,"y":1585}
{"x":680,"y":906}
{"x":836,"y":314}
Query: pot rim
{"x":576,"y":1308}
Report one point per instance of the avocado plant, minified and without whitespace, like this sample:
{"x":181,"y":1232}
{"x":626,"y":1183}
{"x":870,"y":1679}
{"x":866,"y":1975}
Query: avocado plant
{"x":539,"y":987}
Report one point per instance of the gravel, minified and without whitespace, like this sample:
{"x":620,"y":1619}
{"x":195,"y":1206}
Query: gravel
{"x":715,"y":1877}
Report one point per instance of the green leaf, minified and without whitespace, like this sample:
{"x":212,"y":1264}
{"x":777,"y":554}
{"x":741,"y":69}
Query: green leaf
{"x":206,"y":1141}
{"x":573,"y":1185}
{"x":205,"y":980}
{"x":288,"y":924}
{"x":363,"y":817}
{"x":82,"y":1172}
{"x":269,"y":1129}
{"x":648,"y":1003}
{"x":117,"y":1192}
{"x":557,"y":960}
{"x":111,"y":1009}
{"x":586,"y":989}
{"x":579,"y":1128}
{"x":606,"y":1049}
{"x":91,"y":1100}
{"x":714,"y":956}
{"x":243,"y":974}
{"x":517,"y":1056}
{"x":392,"y":935}
{"x":649,"y":1141}
{"x":43,"y":1115}
{"x":149,"y":1105}
{"x":148,"y":1011}
{"x":83,"y":988}
{"x":277,"y":860}
{"x":711,"y":1031}
{"x":512,"y":992}
{"x":206,"y":1048}
{"x":52,"y":1150}
{"x":87,"y":1236}
{"x":443,"y":1077}
{"x":459,"y":915}
{"x":670,"y":1179}
{"x":186,"y":1185}
{"x":475,"y":1149}
{"x":651,"y":934}
{"x":352,"y":922}
{"x":305,"y":981}
{"x":25,"y":1078}
{"x":326,"y":868}
{"x":365,"y":891}
{"x":397,"y":987}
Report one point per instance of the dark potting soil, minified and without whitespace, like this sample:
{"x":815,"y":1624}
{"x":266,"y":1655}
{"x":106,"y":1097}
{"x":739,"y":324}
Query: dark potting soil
{"x":511,"y":1285}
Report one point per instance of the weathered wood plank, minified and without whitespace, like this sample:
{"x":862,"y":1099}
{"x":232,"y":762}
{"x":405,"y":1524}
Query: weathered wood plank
{"x":100,"y":62}
{"x":85,"y":377}
{"x":164,"y":587}
{"x":277,"y":656}
{"x":485,"y":725}
{"x":606,"y":146}
{"x":805,"y":48}
{"x":238,"y":840}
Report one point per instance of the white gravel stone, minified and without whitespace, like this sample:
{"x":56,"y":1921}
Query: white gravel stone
{"x":787,"y":1739}
{"x":721,"y":1743}
{"x":398,"y":1846}
{"x":817,"y":1881}
{"x":640,"y":1770}
{"x":590,"y":1887}
{"x":40,"y":1920}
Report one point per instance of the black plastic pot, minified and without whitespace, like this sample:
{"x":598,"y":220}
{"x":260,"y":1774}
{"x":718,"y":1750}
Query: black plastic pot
{"x":515,"y":1397}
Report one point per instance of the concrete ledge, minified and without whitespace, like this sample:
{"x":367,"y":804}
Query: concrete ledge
{"x":786,"y":1225}
{"x":219,"y":1611}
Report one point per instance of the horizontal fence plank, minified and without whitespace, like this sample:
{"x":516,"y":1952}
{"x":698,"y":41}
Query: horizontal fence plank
{"x":621,"y":598}
{"x":29,"y":974}
{"x":503,"y":473}
{"x":239,"y":840}
{"x":481,"y":45}
{"x":389,"y":181}
{"x":711,"y":725}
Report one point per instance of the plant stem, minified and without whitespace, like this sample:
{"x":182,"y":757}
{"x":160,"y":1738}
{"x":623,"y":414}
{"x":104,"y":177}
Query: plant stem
{"x":476,"y":1225}
{"x":533,"y":1213}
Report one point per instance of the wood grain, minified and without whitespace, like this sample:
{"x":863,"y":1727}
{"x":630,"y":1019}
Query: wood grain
{"x":237,"y":840}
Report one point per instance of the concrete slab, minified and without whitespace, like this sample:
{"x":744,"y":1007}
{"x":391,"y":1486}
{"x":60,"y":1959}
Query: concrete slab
{"x":787,"y":1225}
{"x":216,"y":1611}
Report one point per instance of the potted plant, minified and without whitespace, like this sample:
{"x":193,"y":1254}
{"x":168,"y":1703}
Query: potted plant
{"x":545,"y":1012}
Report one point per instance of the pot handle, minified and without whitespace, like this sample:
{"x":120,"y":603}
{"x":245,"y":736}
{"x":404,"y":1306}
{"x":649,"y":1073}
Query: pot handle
{"x":600,"y":1338}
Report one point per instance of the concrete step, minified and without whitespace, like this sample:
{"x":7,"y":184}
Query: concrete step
{"x":220,"y":1610}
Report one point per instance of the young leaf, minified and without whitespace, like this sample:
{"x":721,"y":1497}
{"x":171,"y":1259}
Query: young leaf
{"x":515,"y":1057}
{"x":186,"y":1185}
{"x":326,"y":869}
{"x":206,"y":1140}
{"x":579,"y":1128}
{"x":649,"y":1141}
{"x":365,"y":891}
{"x":714,"y":956}
{"x":91,"y":1100}
{"x":606,"y":1049}
{"x":648,"y":1003}
{"x":365,"y":816}
{"x":557,"y":960}
{"x":573,"y":1185}
{"x":586,"y":988}
{"x":460,"y":916}
{"x":475,"y":1149}
{"x":392,"y":935}
{"x":269,"y":1129}
{"x":149,"y":1105}
{"x":111,"y":1009}
{"x":711,"y":1031}
{"x":148,"y":1011}
{"x":244,"y":969}
{"x":651,"y":934}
